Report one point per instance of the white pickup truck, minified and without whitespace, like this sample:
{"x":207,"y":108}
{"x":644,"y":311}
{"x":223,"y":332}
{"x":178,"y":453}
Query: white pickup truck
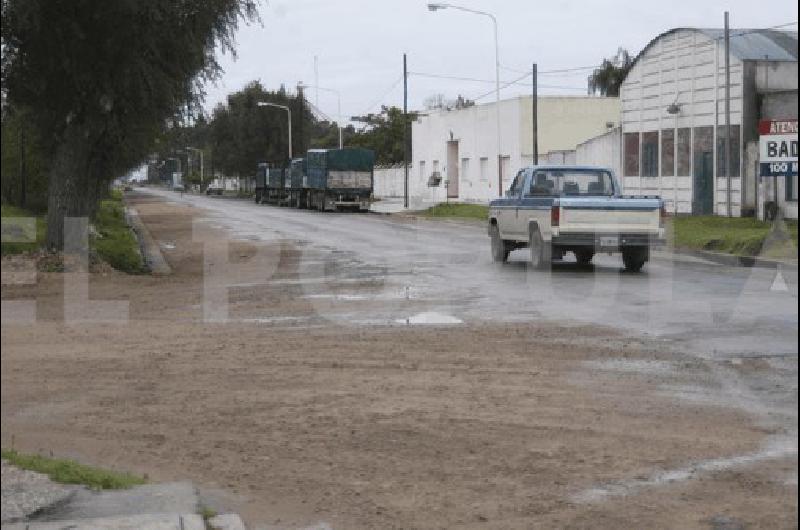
{"x":554,"y":210}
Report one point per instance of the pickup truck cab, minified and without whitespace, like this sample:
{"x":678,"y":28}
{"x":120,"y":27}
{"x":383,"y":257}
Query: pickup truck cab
{"x":554,"y":210}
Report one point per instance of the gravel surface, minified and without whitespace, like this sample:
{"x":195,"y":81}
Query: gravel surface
{"x":25,"y":492}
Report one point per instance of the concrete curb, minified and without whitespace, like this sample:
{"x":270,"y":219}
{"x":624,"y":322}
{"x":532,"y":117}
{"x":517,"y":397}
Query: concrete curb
{"x":737,"y":261}
{"x":150,"y":250}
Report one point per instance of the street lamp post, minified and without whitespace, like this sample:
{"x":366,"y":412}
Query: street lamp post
{"x":338,"y":106}
{"x":438,"y":6}
{"x":201,"y":163}
{"x":288,"y":112}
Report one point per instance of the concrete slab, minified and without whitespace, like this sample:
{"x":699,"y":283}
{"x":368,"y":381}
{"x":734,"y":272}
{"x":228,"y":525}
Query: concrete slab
{"x":25,"y":492}
{"x":126,"y":522}
{"x":228,"y":521}
{"x":168,"y":498}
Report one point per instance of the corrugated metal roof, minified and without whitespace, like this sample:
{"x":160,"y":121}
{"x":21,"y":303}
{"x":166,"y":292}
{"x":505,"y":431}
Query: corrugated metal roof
{"x":746,"y":44}
{"x":759,"y":44}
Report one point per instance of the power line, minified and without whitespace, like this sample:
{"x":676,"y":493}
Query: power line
{"x":378,"y":99}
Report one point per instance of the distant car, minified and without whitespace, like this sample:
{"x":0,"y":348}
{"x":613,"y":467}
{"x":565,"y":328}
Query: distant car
{"x":213,"y":191}
{"x":179,"y":187}
{"x":127,"y":187}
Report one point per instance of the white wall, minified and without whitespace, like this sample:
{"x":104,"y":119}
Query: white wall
{"x":604,"y":151}
{"x":563,"y":122}
{"x":680,"y":67}
{"x":389,"y":181}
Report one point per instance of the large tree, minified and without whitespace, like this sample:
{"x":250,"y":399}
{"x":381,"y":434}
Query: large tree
{"x":101,"y":77}
{"x":383,"y":133}
{"x":607,"y":79}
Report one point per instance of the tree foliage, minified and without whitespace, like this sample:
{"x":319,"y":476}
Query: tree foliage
{"x":383,"y":133}
{"x":101,"y":77}
{"x":607,"y":80}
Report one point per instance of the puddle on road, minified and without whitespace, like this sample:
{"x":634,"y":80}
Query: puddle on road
{"x":778,"y":447}
{"x":637,"y":366}
{"x":429,"y":317}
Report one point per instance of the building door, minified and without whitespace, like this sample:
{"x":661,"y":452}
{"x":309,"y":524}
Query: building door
{"x":452,"y":169}
{"x":703,"y":185}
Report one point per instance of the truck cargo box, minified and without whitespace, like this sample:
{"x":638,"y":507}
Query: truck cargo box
{"x":275,"y":178}
{"x":298,"y":173}
{"x":340,"y":169}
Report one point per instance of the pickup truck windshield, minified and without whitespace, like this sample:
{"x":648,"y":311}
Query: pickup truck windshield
{"x":572,"y":182}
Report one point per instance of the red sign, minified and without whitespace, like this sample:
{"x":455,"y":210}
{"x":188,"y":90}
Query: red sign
{"x":766,"y":127}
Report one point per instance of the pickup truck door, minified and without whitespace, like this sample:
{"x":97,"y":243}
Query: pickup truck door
{"x":507,"y":214}
{"x":534,"y":205}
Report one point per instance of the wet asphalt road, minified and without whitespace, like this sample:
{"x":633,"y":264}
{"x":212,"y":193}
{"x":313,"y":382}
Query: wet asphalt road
{"x":440,"y":271}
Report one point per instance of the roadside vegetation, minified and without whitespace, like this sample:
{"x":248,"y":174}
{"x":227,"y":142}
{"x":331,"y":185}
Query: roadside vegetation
{"x":71,"y":472}
{"x":114,"y":241}
{"x":458,"y":211}
{"x":738,"y":236}
{"x":25,"y":239}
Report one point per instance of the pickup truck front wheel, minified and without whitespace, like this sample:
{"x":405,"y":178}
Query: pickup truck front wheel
{"x":541,"y":252}
{"x":500,"y":249}
{"x":634,"y":258}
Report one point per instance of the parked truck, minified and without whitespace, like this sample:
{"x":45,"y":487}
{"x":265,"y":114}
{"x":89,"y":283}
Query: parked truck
{"x":339,"y":178}
{"x":298,"y":186}
{"x":553,"y":210}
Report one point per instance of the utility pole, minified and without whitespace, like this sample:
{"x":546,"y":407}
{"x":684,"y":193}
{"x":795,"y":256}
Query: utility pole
{"x":535,"y":115}
{"x":728,"y":110}
{"x":300,"y":119}
{"x":405,"y":132}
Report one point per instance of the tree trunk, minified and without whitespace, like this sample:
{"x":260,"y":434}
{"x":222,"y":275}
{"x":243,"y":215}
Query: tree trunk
{"x":69,"y":191}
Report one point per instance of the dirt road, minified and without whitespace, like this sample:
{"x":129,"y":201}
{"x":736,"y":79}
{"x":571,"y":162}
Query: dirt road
{"x":298,"y":411}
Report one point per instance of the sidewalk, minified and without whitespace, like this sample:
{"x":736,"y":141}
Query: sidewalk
{"x":31,"y":501}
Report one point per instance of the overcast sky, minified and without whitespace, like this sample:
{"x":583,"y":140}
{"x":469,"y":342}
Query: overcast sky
{"x":359,"y":44}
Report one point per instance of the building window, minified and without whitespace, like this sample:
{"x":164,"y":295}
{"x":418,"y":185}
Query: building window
{"x":631,"y":154}
{"x":464,"y":168}
{"x":721,"y":171}
{"x":650,"y":154}
{"x":668,"y":153}
{"x":791,"y":188}
{"x":484,"y":169}
{"x":422,"y":174}
{"x":684,"y":151}
{"x":435,"y":166}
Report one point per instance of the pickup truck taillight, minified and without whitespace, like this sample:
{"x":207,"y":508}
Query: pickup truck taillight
{"x":555,"y":215}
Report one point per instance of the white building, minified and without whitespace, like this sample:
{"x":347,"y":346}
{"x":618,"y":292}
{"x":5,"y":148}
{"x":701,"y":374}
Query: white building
{"x":673,"y":118}
{"x":461,"y":145}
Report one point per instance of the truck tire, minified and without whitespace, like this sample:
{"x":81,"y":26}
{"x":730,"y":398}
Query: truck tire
{"x":541,"y":252}
{"x":634,"y":258}
{"x":584,"y":257}
{"x":499,"y":247}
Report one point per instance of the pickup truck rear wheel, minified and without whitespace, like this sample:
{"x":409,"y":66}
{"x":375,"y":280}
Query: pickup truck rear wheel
{"x":500,"y":248}
{"x":584,"y":257}
{"x":634,"y":258}
{"x":541,"y":252}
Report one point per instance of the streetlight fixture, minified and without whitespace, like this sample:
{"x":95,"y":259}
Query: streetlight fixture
{"x":188,"y":148}
{"x":439,"y":6}
{"x":288,"y":112}
{"x":338,"y":105}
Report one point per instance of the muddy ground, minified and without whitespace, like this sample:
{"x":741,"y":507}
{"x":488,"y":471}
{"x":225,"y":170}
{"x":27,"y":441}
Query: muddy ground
{"x":296,"y":418}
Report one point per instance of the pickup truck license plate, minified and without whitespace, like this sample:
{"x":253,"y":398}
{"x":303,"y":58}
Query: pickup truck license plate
{"x":609,"y":242}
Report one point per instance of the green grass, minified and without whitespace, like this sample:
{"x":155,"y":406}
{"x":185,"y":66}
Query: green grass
{"x":71,"y":472}
{"x":739,"y":236}
{"x":32,"y":241}
{"x":458,"y":211}
{"x":116,"y":243}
